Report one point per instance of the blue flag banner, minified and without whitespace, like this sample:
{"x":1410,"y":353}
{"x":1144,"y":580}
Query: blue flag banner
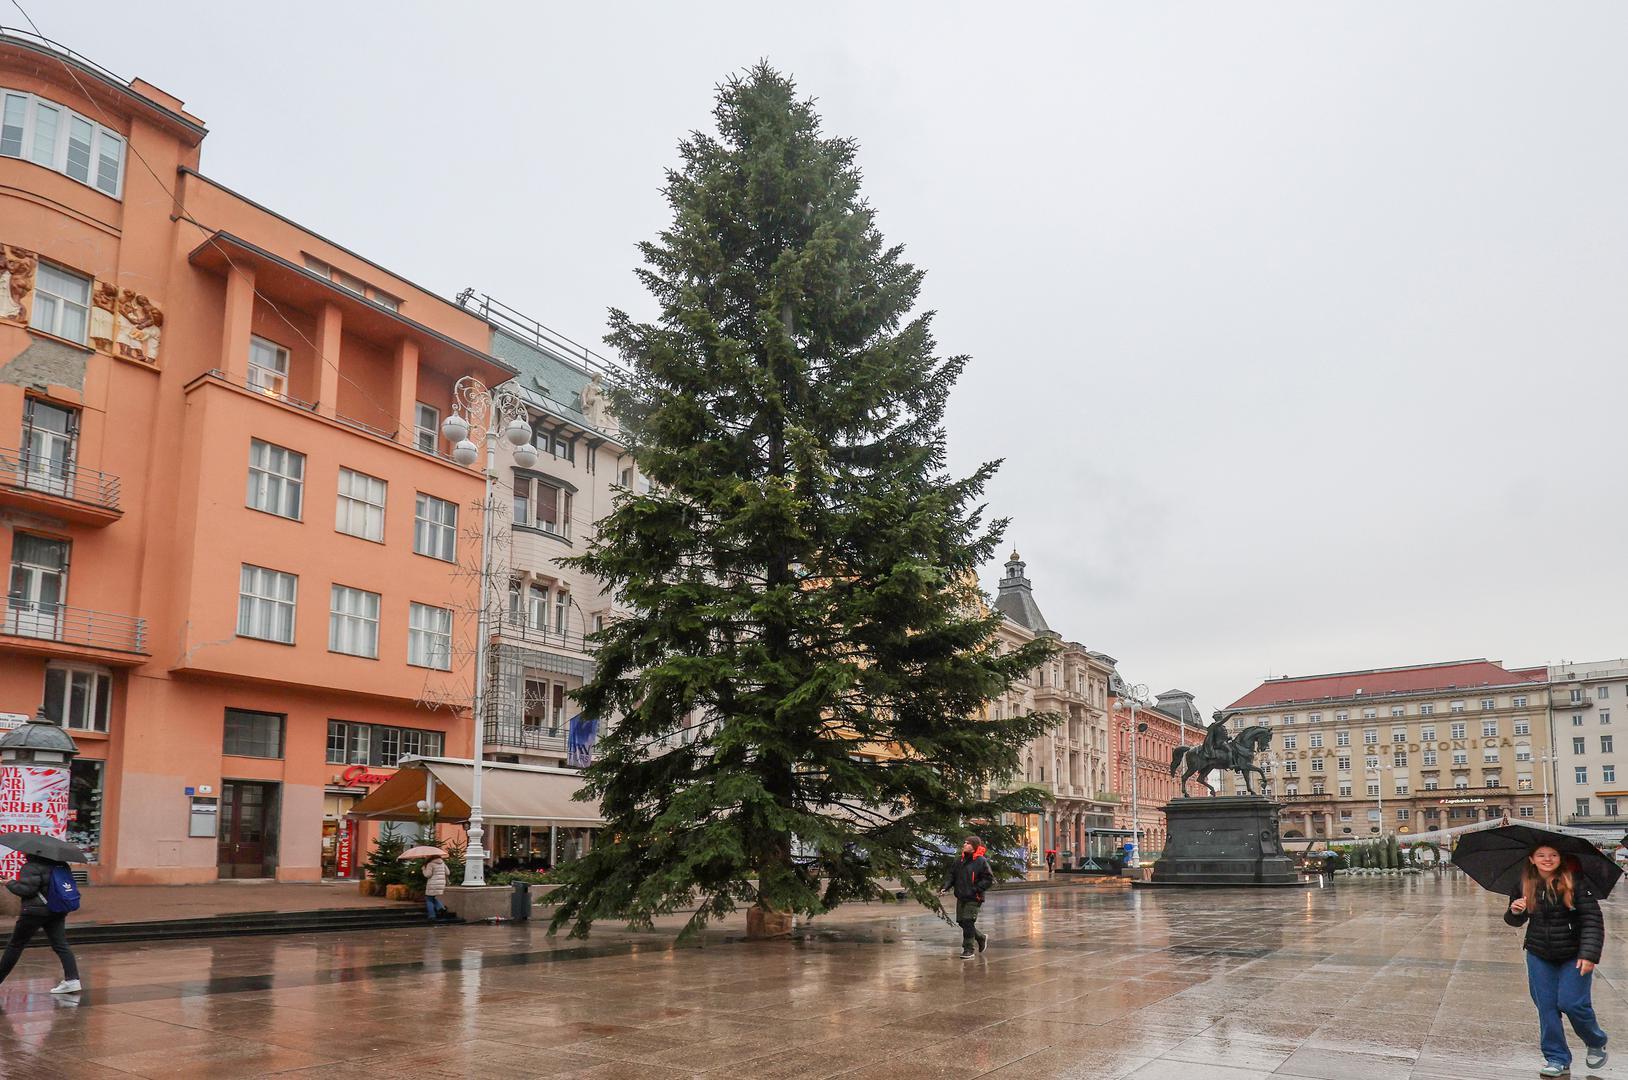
{"x":579,"y":751}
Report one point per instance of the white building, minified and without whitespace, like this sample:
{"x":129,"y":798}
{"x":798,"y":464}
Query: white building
{"x":1590,"y":777}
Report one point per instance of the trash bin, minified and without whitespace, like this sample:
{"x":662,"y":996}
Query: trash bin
{"x":520,"y":901}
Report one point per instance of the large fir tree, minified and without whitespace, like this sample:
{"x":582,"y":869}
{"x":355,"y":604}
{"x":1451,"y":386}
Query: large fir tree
{"x":800,"y":579}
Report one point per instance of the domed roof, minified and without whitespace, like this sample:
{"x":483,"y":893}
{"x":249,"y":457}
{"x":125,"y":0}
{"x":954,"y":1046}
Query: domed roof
{"x":40,"y":733}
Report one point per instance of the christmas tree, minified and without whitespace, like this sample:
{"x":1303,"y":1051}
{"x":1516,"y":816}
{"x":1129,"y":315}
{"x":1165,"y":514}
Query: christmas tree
{"x":801,"y":678}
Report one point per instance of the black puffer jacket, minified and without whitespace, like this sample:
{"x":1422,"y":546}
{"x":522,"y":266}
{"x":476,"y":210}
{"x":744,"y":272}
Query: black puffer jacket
{"x":30,"y":885}
{"x":970,"y":876}
{"x":1555,"y":932}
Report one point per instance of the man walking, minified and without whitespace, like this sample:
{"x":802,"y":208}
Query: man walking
{"x":969,"y":877}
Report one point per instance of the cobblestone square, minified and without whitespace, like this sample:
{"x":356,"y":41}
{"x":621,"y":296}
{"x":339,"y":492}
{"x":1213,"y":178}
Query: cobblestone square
{"x":1417,"y":978}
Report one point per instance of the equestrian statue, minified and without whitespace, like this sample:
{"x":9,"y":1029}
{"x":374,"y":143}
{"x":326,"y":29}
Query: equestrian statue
{"x":1219,"y":751}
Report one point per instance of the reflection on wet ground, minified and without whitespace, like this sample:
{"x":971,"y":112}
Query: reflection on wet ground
{"x":1371,"y":980}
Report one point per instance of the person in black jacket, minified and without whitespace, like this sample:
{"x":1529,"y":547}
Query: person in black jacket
{"x":969,"y":877}
{"x":31,"y":883}
{"x":1565,"y":935}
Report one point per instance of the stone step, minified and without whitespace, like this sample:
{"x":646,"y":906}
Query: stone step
{"x":238,"y":924}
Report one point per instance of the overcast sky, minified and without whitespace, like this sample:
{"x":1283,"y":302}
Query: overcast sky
{"x":1300,"y":327}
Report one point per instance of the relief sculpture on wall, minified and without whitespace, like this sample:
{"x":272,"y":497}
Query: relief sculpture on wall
{"x":123,"y":322}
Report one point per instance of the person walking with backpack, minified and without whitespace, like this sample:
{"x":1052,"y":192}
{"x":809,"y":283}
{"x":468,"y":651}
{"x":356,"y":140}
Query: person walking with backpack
{"x":1565,"y":935}
{"x":969,"y":877}
{"x":48,"y":893}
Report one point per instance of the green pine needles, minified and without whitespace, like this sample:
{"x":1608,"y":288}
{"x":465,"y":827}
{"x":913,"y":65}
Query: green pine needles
{"x":800,"y":683}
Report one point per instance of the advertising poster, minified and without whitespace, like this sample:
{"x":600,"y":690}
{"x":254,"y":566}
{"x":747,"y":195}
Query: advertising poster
{"x":32,"y":799}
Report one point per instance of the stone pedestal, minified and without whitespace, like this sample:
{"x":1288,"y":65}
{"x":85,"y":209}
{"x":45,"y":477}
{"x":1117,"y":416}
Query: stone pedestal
{"x":1224,"y":840}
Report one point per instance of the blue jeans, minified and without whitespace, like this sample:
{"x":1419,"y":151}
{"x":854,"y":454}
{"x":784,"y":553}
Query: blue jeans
{"x":1558,"y":989}
{"x":433,"y":906}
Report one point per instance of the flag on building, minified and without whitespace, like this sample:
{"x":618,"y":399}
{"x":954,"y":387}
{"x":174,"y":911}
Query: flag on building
{"x":579,"y":752}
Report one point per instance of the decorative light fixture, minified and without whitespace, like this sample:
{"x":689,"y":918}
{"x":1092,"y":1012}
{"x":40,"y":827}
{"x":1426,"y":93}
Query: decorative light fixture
{"x":518,"y":432}
{"x":466,"y":453}
{"x":525,"y":456}
{"x":455,"y":428}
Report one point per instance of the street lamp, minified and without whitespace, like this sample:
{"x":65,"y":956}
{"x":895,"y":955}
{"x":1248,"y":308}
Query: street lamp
{"x":1137,"y":696}
{"x":1381,"y":767}
{"x":1545,"y":760}
{"x":475,"y":407}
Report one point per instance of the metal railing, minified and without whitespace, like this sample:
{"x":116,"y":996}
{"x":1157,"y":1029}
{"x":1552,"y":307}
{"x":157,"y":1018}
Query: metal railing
{"x":515,"y":627}
{"x":516,"y":322}
{"x":74,"y":626}
{"x":20,"y":469}
{"x":524,"y":736}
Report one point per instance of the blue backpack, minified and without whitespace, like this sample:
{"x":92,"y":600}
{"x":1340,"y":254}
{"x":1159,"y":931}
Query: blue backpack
{"x":61,"y":894}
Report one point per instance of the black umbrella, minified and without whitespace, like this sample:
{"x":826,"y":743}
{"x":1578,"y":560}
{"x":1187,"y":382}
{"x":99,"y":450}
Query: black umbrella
{"x":1494,"y":858}
{"x":46,"y":847}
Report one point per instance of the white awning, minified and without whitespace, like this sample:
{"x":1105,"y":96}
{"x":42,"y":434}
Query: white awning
{"x":510,"y":794}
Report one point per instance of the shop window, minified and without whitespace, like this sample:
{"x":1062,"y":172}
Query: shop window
{"x":253,"y":734}
{"x":85,"y":807}
{"x":78,"y":697}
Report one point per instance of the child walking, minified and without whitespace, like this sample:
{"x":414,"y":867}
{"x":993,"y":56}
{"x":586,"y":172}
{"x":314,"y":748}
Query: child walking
{"x":1565,"y":934}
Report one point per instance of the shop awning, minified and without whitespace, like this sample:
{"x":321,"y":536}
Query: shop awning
{"x":510,"y":794}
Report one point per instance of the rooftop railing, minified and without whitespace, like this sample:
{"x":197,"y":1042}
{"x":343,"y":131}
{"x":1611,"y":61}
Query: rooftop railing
{"x":74,"y":626}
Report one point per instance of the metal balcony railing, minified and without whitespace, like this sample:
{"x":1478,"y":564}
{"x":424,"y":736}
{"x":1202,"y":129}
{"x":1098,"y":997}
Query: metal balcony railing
{"x":20,"y":469}
{"x":515,"y":627}
{"x":74,"y":626}
{"x":525,"y":736}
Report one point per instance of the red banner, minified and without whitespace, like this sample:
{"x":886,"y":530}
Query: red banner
{"x":345,"y":849}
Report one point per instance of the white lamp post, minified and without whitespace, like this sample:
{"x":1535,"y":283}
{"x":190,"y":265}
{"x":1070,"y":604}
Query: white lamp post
{"x":476,"y":407}
{"x":1136,"y":695}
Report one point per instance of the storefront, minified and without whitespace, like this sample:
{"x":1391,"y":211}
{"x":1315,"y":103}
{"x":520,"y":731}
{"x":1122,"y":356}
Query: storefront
{"x":534,"y":847}
{"x":85,"y":782}
{"x":344,"y":838}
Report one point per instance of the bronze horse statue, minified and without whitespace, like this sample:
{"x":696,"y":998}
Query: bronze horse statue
{"x":1238,"y":755}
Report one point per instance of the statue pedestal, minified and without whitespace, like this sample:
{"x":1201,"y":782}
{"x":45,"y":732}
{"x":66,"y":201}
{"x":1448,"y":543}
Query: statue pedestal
{"x":1223,"y":840}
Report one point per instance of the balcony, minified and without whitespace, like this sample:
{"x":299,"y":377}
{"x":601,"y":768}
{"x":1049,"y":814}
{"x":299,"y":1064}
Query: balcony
{"x":514,"y":627}
{"x":82,"y":496}
{"x":525,"y":737}
{"x":57,"y":630}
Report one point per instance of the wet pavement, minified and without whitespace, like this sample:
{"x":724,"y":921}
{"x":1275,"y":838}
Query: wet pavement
{"x":1371,"y":980}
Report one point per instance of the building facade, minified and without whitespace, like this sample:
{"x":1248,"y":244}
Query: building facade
{"x":1171,"y":721}
{"x":1588,"y":788}
{"x":239,"y":555}
{"x":1407,"y":749}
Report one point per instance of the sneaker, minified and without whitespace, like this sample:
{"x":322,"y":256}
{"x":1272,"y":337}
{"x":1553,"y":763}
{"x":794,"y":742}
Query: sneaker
{"x":66,"y":986}
{"x":1551,"y":1069}
{"x":1597,"y":1057}
{"x":983,"y":942}
{"x":967,"y":954}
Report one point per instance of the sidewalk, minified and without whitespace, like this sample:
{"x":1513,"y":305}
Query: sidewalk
{"x":107,"y":905}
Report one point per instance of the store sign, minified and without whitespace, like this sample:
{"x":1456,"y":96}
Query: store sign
{"x":345,"y":849}
{"x":9,"y":720}
{"x":1460,"y":801}
{"x":359,"y":774}
{"x":32,"y":799}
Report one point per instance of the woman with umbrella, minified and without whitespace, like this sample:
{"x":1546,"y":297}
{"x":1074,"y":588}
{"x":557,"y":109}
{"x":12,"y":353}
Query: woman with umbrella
{"x":1554,"y":883}
{"x":46,"y":902}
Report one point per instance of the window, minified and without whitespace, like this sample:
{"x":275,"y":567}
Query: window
{"x":435,"y":528}
{"x":1601,"y":693}
{"x":537,"y":606}
{"x":1577,"y":745}
{"x":1431,"y":783}
{"x":1582,"y":807}
{"x":1523,"y":752}
{"x":265,"y":604}
{"x":426,"y":428}
{"x":1523,"y":783}
{"x":1576,"y":719}
{"x":1458,"y":731}
{"x":253,"y":734}
{"x":1342,"y":738}
{"x":1461,"y":757}
{"x":1580,"y":774}
{"x":1370,"y":737}
{"x":1289,"y":768}
{"x":268,"y":367}
{"x":39,"y":586}
{"x":1519,"y":702}
{"x":1605,"y":744}
{"x":1488,"y":703}
{"x":353,"y":622}
{"x":1455,"y":706}
{"x":1291,"y":789}
{"x":539,"y":504}
{"x":1373,"y":788}
{"x":1576,"y":694}
{"x":429,"y":637}
{"x":372,"y":744}
{"x":1429,"y":758}
{"x":1605,"y":717}
{"x":1489,"y":728}
{"x":1427,"y":734}
{"x":78,"y":697}
{"x":1528,"y":811}
{"x":352,"y":284}
{"x":1523,"y":727}
{"x":1343,"y":764}
{"x":1404,"y":813}
{"x":1608,"y":773}
{"x":1288,"y":718}
{"x":1345,"y":791}
{"x":1289,"y":742}
{"x":1396,"y":710}
{"x":559,"y":447}
{"x":1399,"y":735}
{"x":1489,"y":757}
{"x":1341,"y":717}
{"x":1461,"y":781}
{"x":360,"y":511}
{"x":1427,"y":710}
{"x":1317,"y":787}
{"x":1369,"y":714}
{"x":1399,"y":760}
{"x":1316,"y":740}
{"x":50,"y":439}
{"x":61,"y":302}
{"x":1314,"y":718}
{"x":1316,"y":764}
{"x":561,"y":601}
{"x":276,"y":479}
{"x":61,"y":140}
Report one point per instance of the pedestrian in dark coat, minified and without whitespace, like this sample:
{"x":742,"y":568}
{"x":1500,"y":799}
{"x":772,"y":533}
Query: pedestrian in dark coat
{"x":1565,"y":935}
{"x":32,"y":881}
{"x":969,"y":877}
